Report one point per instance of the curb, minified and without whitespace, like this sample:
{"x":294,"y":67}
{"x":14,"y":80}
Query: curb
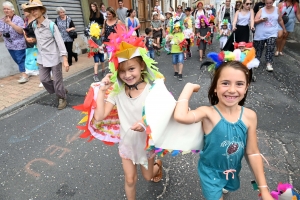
{"x":22,"y":104}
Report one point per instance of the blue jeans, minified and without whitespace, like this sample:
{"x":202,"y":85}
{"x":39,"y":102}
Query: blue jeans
{"x":19,"y":57}
{"x":99,"y":56}
{"x":150,"y":54}
{"x":177,"y":58}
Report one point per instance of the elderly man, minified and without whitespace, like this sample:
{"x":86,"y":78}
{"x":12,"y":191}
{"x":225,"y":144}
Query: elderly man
{"x":122,"y":11}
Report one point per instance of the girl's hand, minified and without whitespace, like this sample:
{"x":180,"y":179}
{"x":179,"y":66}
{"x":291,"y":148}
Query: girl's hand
{"x":195,"y":87}
{"x":138,"y":127}
{"x":234,"y":28}
{"x":106,"y":82}
{"x":253,"y":28}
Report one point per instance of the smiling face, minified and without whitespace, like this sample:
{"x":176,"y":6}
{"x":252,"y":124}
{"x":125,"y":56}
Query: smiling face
{"x":130,"y":71}
{"x":231,"y":86}
{"x":37,"y":12}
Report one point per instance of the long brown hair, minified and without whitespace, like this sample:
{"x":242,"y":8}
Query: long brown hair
{"x":212,"y":95}
{"x":92,"y":12}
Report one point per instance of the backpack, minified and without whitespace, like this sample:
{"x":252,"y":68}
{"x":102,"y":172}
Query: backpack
{"x":51,"y":26}
{"x":195,"y":14}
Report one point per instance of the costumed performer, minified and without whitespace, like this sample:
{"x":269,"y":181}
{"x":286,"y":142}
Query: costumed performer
{"x":178,"y":46}
{"x":229,"y":128}
{"x":189,"y":37}
{"x":203,"y":36}
{"x":131,"y":71}
{"x":96,"y":49}
{"x":212,"y":27}
{"x":224,"y":33}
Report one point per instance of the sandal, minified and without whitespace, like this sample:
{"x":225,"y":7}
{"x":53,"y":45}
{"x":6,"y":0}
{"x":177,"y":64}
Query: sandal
{"x":276,"y":53}
{"x":185,"y":58}
{"x":280,"y":53}
{"x":159,"y":174}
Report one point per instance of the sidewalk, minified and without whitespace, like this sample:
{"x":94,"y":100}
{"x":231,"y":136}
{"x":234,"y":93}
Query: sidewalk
{"x":13,"y":93}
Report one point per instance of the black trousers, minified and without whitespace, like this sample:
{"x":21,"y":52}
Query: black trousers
{"x":69,"y":47}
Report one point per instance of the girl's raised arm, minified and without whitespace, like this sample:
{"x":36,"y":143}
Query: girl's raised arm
{"x":103,"y":108}
{"x":182,"y":114}
{"x":254,"y":156}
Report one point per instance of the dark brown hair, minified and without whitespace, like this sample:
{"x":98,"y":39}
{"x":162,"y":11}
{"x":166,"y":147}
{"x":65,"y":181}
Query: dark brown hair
{"x":92,"y":12}
{"x":212,"y":95}
{"x":112,"y":11}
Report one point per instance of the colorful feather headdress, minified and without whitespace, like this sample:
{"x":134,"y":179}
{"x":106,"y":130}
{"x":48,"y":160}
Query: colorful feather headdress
{"x":247,"y":58}
{"x":224,"y":22}
{"x":123,"y":46}
{"x":203,"y":18}
{"x":285,"y":192}
{"x":176,"y":23}
{"x":212,"y":19}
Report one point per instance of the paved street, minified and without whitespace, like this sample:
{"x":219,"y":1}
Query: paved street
{"x":41,"y":156}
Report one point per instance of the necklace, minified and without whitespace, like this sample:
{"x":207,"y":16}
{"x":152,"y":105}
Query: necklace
{"x":134,"y":86}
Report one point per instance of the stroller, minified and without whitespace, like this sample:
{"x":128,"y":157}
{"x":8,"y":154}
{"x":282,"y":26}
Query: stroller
{"x":246,"y":46}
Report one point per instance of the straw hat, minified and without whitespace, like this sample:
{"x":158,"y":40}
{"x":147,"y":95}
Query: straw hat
{"x":34,"y":4}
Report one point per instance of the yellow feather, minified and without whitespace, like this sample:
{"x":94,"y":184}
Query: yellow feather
{"x":84,"y":119}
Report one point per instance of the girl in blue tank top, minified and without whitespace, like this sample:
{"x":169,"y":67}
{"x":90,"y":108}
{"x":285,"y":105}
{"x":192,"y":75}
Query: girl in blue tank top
{"x":230,"y":131}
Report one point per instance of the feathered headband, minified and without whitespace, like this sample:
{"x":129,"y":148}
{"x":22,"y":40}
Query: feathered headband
{"x":123,"y":46}
{"x":176,"y":23}
{"x":203,"y":18}
{"x":246,"y":58}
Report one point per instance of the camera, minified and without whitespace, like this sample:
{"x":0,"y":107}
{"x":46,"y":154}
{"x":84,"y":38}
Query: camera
{"x":7,"y":35}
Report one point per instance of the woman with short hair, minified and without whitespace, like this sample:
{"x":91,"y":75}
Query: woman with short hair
{"x":65,"y":24}
{"x":11,"y":28}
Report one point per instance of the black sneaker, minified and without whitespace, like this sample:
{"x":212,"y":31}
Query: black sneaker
{"x":175,"y":74}
{"x":180,"y":77}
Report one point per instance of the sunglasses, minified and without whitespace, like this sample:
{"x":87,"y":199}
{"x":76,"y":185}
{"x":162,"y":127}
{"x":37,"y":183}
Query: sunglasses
{"x":248,"y":4}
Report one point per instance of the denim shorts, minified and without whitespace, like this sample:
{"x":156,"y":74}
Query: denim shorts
{"x":19,"y":57}
{"x":177,"y":58}
{"x":99,"y":56}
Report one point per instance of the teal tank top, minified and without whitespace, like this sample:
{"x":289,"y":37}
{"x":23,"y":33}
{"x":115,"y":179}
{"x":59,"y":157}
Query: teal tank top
{"x":224,"y":146}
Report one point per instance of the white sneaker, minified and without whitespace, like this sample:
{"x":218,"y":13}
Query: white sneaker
{"x":269,"y":67}
{"x":41,"y":85}
{"x":23,"y":80}
{"x":224,"y":191}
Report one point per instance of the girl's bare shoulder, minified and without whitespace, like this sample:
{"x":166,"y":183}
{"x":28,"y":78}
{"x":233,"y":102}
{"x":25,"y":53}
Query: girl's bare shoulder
{"x":249,"y":114}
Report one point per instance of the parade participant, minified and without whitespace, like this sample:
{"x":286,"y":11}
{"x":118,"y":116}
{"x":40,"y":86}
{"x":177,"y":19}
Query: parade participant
{"x":132,"y":21}
{"x":198,"y":12}
{"x":291,"y":11}
{"x":65,"y":24}
{"x":96,"y":49}
{"x":227,"y":11}
{"x":51,"y":50}
{"x":224,"y":34}
{"x":167,"y":22}
{"x":203,"y":36}
{"x":189,"y":37}
{"x":11,"y":28}
{"x":95,"y":14}
{"x":131,"y":71}
{"x":157,"y":27}
{"x":212,"y":28}
{"x":149,"y":43}
{"x":267,"y":20}
{"x":225,"y":143}
{"x":122,"y":11}
{"x":180,"y":15}
{"x":176,"y":39}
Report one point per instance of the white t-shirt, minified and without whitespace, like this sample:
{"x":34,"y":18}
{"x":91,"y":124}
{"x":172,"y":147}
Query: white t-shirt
{"x":197,"y":21}
{"x":187,"y":33}
{"x":104,"y":14}
{"x":130,"y":110}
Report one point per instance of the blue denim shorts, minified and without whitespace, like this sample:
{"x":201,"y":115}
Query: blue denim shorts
{"x":99,"y":56}
{"x":19,"y":57}
{"x":177,"y":58}
{"x":150,"y":54}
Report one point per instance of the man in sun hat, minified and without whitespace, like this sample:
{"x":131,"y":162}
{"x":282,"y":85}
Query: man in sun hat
{"x":52,"y":53}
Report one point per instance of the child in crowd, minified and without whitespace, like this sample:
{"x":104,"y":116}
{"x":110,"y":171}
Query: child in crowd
{"x":149,"y":42}
{"x":176,"y":39}
{"x":167,"y":22}
{"x":130,"y":77}
{"x":96,"y":49}
{"x":230,"y":131}
{"x":212,"y":28}
{"x":224,"y":33}
{"x":157,"y":27}
{"x":189,"y":35}
{"x":203,"y":36}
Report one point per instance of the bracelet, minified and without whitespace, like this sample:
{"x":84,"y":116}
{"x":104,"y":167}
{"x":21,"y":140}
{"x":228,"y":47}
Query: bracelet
{"x":194,"y":116}
{"x":262,"y":186}
{"x":142,"y":125}
{"x":182,"y":100}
